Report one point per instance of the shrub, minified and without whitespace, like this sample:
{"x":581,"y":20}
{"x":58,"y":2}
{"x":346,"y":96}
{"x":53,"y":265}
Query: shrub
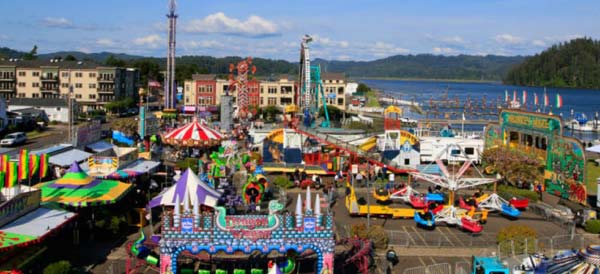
{"x":517,"y":239}
{"x":513,"y":191}
{"x":376,"y":234}
{"x":188,"y":162}
{"x":283,"y":182}
{"x":60,"y":267}
{"x":592,"y":226}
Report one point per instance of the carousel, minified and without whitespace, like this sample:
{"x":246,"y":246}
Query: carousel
{"x":195,"y":134}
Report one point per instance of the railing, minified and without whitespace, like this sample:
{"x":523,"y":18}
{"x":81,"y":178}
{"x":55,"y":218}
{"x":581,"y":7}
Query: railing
{"x":443,"y":268}
{"x":106,"y":79}
{"x":7,"y":78}
{"x":437,"y":239}
{"x":51,"y":78}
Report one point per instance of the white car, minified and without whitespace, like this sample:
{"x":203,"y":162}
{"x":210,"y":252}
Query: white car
{"x":14,"y":139}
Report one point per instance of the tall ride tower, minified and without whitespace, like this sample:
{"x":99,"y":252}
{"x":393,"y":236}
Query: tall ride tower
{"x":170,"y":88}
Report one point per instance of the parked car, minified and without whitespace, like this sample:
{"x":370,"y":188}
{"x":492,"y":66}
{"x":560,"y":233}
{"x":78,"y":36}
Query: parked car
{"x":14,"y":139}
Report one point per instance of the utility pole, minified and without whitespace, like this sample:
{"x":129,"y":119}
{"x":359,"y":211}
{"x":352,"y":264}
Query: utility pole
{"x":70,"y":104}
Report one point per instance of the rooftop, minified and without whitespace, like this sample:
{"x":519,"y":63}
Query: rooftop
{"x":204,"y":77}
{"x":51,"y":63}
{"x":39,"y":102}
{"x":333,"y":76}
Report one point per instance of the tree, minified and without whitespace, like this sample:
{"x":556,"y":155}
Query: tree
{"x":115,"y":62}
{"x":60,"y":267}
{"x":362,"y":88}
{"x":335,"y":114}
{"x":270,"y":112}
{"x":31,"y":55}
{"x":513,"y":165}
{"x":149,"y":69}
{"x":185,"y":71}
{"x":70,"y":58}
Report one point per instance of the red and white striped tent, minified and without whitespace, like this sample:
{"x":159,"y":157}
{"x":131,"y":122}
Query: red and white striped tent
{"x":194,"y":134}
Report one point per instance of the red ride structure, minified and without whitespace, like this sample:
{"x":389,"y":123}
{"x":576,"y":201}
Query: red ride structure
{"x":240,"y":84}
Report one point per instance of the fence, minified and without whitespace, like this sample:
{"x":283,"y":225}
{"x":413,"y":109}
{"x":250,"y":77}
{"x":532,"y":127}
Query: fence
{"x":439,"y":239}
{"x":443,"y":268}
{"x":545,"y":245}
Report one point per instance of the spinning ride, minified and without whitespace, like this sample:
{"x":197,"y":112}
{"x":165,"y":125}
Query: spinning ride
{"x":450,"y":214}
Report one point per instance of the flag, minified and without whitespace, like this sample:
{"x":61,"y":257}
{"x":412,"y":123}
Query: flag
{"x":506,"y":95}
{"x":536,"y":100}
{"x":463,"y":117}
{"x":559,"y":102}
{"x":23,"y":164}
{"x":546,"y":100}
{"x":524,"y":97}
{"x":153,"y":84}
{"x":514,"y":95}
{"x":2,"y":178}
{"x":44,"y":165}
{"x":11,"y":175}
{"x":34,"y":164}
{"x":4,"y":159}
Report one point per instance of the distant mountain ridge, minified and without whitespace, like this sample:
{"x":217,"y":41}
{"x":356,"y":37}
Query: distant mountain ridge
{"x":421,"y":66}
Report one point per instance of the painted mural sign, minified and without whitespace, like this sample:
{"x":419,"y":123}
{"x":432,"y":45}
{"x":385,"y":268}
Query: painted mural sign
{"x":19,"y":206}
{"x":541,"y":135}
{"x":187,"y":225}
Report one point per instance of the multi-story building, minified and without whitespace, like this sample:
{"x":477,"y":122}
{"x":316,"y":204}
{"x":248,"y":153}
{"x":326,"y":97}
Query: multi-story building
{"x":334,"y":85}
{"x":93,"y":85}
{"x":206,"y":90}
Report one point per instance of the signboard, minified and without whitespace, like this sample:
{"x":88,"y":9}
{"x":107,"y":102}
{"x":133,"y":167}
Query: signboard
{"x":331,"y":95}
{"x":354,"y":169}
{"x":88,"y":134}
{"x":20,"y":205}
{"x":533,"y":121}
{"x":187,"y":225}
{"x":310,"y":224}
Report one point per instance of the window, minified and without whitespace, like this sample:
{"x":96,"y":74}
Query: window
{"x":92,"y":85}
{"x":406,"y":162}
{"x":34,"y":95}
{"x":262,"y":90}
{"x":187,"y":87}
{"x":92,"y":96}
{"x":78,"y":85}
{"x":340,"y":90}
{"x":187,"y":99}
{"x":64,"y":85}
{"x":78,"y":74}
{"x":22,"y":73}
{"x":35,"y":74}
{"x":286,"y":101}
{"x":340,"y":101}
{"x":469,"y":150}
{"x":262,"y":102}
{"x":58,"y":109}
{"x":22,"y":84}
{"x":77,"y":96}
{"x":272,"y":90}
{"x":271,"y":101}
{"x":92,"y":75}
{"x":21,"y":95}
{"x":35,"y":85}
{"x":65,"y":74}
{"x":286,"y":89}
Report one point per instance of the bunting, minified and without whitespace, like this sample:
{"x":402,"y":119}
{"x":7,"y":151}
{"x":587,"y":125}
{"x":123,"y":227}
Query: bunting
{"x":44,"y":165}
{"x":11,"y":175}
{"x":524,"y":97}
{"x":34,"y":164}
{"x":535,"y":99}
{"x":2,"y":178}
{"x":506,"y":98}
{"x":546,"y":100}
{"x":514,"y":95}
{"x":23,"y":164}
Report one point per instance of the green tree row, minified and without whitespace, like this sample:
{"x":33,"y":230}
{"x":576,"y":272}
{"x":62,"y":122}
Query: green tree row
{"x":573,"y":64}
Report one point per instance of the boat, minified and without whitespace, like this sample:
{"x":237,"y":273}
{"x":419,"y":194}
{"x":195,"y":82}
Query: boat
{"x":581,"y":123}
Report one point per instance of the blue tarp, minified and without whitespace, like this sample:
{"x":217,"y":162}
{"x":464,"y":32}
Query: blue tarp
{"x":122,"y":138}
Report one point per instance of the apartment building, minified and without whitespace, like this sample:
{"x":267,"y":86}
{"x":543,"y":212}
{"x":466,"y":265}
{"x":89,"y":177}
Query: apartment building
{"x":93,"y":85}
{"x":206,"y":90}
{"x":334,"y":86}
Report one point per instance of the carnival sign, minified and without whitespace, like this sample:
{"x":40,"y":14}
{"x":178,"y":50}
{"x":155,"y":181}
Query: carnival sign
{"x":187,"y":225}
{"x":310,"y":224}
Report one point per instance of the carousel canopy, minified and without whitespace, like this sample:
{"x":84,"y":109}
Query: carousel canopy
{"x":77,"y":188}
{"x":196,"y":189}
{"x":193,"y":134}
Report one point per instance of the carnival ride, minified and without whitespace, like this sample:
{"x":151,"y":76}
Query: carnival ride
{"x":357,"y":209}
{"x":450,"y":214}
{"x":311,"y":87}
{"x":241,"y":85}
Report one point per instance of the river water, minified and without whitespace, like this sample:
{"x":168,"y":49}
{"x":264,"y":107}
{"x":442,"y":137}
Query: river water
{"x":575,"y":101}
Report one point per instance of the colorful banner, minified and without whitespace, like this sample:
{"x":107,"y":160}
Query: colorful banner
{"x":2,"y":178}
{"x":536,"y":100}
{"x":506,"y":96}
{"x":11,"y":175}
{"x":4,"y":159}
{"x":23,"y":164}
{"x":514,"y":95}
{"x":559,"y":101}
{"x":34,"y":164}
{"x":524,"y":97}
{"x":44,"y":165}
{"x":546,"y":100}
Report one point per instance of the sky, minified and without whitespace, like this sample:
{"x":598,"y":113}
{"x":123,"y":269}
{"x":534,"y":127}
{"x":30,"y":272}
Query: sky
{"x":342,"y":29}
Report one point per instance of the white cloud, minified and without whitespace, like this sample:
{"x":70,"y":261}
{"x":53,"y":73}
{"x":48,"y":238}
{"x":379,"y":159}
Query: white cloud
{"x":201,"y":44}
{"x":539,"y":43}
{"x":382,"y":49}
{"x":84,"y":50}
{"x":444,"y":50}
{"x":254,"y":26}
{"x":57,"y":22}
{"x":453,"y":40}
{"x":344,"y":58}
{"x":105,"y":42}
{"x":150,"y":41}
{"x":508,"y":39}
{"x":328,"y":42}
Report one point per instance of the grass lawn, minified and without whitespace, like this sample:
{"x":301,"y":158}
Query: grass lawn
{"x":592,"y":173}
{"x":37,"y":134}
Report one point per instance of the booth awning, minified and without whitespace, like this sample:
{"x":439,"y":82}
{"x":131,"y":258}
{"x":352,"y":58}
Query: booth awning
{"x":68,"y":157}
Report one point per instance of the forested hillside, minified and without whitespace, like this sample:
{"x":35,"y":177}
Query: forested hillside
{"x":574,"y":64}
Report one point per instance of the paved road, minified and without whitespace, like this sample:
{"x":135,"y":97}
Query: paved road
{"x":58,"y":134}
